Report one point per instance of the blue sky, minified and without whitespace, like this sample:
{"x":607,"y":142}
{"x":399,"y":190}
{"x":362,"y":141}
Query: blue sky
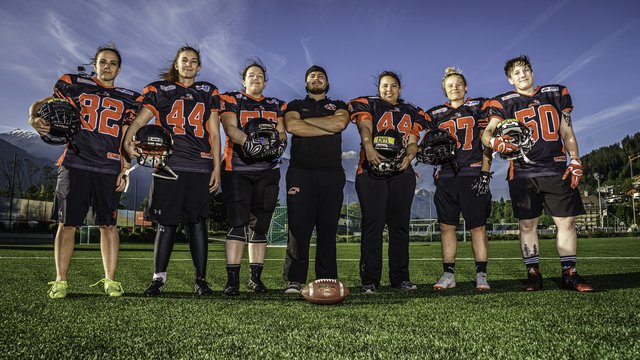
{"x":589,"y":46}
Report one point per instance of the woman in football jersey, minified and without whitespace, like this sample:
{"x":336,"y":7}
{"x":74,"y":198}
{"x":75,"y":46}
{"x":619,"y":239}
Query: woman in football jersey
{"x":92,"y":173}
{"x":385,"y":198}
{"x":462,"y":186}
{"x":188,"y":109}
{"x":250,"y":173}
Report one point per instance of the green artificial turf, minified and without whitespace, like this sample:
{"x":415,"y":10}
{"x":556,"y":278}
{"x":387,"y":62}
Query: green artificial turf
{"x":456,"y":323}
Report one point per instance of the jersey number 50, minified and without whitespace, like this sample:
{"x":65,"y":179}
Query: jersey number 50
{"x":548,"y":125}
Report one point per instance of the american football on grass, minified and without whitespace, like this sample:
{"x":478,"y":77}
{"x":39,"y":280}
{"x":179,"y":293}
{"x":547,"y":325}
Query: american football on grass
{"x":325,"y":292}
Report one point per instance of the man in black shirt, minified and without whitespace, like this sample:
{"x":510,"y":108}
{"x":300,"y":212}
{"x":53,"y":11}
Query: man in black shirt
{"x":315,"y":179}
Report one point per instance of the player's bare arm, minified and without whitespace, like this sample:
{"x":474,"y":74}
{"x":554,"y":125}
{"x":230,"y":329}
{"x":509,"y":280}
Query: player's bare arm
{"x":121,"y":181}
{"x":487,"y":134}
{"x":365,"y":127}
{"x":296,"y":126}
{"x":412,"y":150}
{"x":229,"y":124}
{"x":213,"y":126}
{"x":38,"y":123}
{"x":141,"y":120}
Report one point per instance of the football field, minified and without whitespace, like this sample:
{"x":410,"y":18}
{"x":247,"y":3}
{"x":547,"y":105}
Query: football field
{"x":456,"y":323}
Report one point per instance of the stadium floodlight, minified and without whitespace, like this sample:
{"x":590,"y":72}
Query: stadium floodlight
{"x":633,"y":202}
{"x":598,"y":177}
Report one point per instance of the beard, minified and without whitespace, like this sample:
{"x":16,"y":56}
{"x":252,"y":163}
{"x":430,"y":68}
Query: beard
{"x":316,"y":90}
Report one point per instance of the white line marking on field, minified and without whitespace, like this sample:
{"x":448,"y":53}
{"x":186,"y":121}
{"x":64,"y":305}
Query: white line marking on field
{"x":419,"y":259}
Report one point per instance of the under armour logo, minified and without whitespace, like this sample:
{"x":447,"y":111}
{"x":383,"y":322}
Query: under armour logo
{"x":157,"y":211}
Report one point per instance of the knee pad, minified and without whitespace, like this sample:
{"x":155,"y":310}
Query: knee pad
{"x":238,"y":233}
{"x":257,"y":238}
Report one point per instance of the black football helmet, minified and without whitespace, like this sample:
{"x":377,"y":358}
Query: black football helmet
{"x":437,"y":147}
{"x":63,"y":119}
{"x":390,"y":144}
{"x":262,"y":136}
{"x":520,"y":135}
{"x":155,"y":145}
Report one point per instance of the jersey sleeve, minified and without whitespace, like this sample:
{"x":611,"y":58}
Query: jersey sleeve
{"x":484,"y":113}
{"x":63,"y":88}
{"x":497,"y":110}
{"x":359,"y":109}
{"x":228,"y":104}
{"x":132,"y":108}
{"x":565,"y":100}
{"x":282,"y":109}
{"x":419,"y":122}
{"x":215,"y":99}
{"x":151,"y":98}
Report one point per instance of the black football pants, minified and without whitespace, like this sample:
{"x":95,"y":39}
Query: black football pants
{"x":314,"y":198}
{"x":385,"y":201}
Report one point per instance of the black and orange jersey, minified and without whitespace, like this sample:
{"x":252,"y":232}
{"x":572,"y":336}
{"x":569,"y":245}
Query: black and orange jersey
{"x":542,"y":112}
{"x":247,"y":107}
{"x":103,"y":112}
{"x":406,"y":118}
{"x":185,"y":111}
{"x":465,"y":123}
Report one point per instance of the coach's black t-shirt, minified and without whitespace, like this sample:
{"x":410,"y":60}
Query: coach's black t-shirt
{"x":316,"y":152}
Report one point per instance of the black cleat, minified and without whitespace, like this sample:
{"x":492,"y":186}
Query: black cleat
{"x":255,"y":283}
{"x":155,"y":288}
{"x":233,"y":281}
{"x":202,"y":288}
{"x":534,"y":280}
{"x":571,"y":280}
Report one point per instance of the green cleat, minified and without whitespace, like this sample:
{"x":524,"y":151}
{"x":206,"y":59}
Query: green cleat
{"x":58,"y":289}
{"x":111,"y":287}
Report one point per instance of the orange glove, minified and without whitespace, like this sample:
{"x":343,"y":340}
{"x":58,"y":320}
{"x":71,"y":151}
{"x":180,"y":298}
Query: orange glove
{"x":502,"y":145}
{"x":575,"y":169}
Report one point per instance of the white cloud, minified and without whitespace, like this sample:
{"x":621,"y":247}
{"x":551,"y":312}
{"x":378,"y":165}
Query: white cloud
{"x":598,"y":50}
{"x":349,"y":155}
{"x":621,"y":113}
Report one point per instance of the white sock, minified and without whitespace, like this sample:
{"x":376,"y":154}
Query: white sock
{"x":162,"y":276}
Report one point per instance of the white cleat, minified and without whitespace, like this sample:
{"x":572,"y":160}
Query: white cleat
{"x":447,"y":281}
{"x":481,"y":282}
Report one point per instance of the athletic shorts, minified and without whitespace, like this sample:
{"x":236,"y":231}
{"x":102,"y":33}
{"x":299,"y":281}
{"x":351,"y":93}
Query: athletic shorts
{"x":170,"y":199}
{"x":77,"y":190}
{"x":530,"y":195}
{"x":455,"y":195}
{"x":250,"y":194}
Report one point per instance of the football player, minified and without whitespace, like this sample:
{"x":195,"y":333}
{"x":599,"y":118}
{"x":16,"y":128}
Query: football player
{"x":250,"y":185}
{"x":385,"y":199}
{"x":465,"y":187}
{"x":93,"y":174}
{"x":315,"y":179}
{"x":548,"y":180}
{"x":189,"y":110}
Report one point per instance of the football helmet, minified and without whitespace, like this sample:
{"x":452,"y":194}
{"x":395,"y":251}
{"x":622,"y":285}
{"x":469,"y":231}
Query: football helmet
{"x":390,"y":144}
{"x":520,"y":135}
{"x":437,"y":147}
{"x":262,"y":138}
{"x":63,"y":119}
{"x":155,"y":145}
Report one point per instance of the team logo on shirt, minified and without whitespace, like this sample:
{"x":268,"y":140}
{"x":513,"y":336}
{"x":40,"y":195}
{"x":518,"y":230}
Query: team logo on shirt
{"x":86,"y":81}
{"x":550,"y":89}
{"x":205,"y":88}
{"x":167,"y":87}
{"x":331,"y":107}
{"x":534,"y":102}
{"x":441,"y":110}
{"x":504,"y":98}
{"x":125,"y":91}
{"x":272,"y":101}
{"x":472,"y":103}
{"x":187,"y":97}
{"x":113,"y":156}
